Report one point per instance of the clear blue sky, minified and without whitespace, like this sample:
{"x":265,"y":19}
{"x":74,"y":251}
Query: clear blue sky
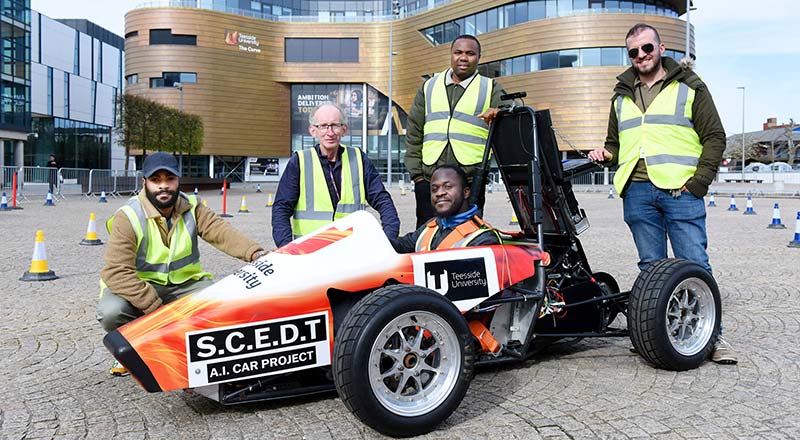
{"x":755,"y":44}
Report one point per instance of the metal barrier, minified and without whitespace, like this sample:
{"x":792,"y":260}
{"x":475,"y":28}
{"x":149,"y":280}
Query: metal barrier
{"x":73,"y":182}
{"x":113,"y":182}
{"x":37,"y":181}
{"x":7,"y":182}
{"x":127,"y":182}
{"x":101,"y":181}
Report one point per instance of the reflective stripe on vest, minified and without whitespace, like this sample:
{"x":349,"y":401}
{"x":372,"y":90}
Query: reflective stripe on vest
{"x":157,"y":263}
{"x":465,"y":132}
{"x":314,"y":207}
{"x":459,"y":237}
{"x":664,"y":135}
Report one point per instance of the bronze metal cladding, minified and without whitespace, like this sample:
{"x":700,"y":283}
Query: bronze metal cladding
{"x":244,"y":96}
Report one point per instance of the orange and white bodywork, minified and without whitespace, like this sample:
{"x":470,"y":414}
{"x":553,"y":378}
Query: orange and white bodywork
{"x":274,"y":315}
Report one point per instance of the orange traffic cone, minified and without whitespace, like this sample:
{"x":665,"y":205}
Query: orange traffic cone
{"x":205,"y":203}
{"x":514,"y":220}
{"x":91,"y":232}
{"x":243,"y":209}
{"x":39,"y":269}
{"x":270,"y":200}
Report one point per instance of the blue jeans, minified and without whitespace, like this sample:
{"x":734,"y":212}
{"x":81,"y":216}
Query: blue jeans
{"x":653,"y":215}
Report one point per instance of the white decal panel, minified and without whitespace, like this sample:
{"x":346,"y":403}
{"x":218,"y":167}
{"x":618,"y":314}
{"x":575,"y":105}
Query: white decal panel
{"x":257,"y":349}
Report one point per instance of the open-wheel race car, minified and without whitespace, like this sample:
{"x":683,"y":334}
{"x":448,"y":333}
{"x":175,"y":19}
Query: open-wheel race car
{"x":398,"y":336}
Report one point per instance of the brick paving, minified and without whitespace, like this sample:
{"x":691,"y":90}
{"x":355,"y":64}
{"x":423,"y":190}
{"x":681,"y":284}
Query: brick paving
{"x":54,"y":380}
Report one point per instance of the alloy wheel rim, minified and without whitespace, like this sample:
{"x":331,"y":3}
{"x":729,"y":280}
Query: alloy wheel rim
{"x":414,"y":363}
{"x":690,"y":316}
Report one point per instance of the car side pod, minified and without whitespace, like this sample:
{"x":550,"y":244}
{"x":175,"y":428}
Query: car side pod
{"x":123,"y":352}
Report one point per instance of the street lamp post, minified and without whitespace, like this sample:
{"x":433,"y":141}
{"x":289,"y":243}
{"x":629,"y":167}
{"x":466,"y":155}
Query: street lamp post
{"x":389,"y":116}
{"x":688,"y":24}
{"x":743,"y":152}
{"x":179,"y":86}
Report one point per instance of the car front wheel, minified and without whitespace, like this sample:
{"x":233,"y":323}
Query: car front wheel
{"x":403,"y":360}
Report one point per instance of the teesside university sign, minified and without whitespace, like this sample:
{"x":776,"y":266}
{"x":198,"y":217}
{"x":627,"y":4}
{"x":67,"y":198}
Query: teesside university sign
{"x":246,"y":43}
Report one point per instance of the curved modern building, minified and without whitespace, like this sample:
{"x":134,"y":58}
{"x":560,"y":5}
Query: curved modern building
{"x":254,"y":69}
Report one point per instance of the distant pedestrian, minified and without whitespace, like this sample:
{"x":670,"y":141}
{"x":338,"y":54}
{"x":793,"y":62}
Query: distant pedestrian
{"x":52,"y":173}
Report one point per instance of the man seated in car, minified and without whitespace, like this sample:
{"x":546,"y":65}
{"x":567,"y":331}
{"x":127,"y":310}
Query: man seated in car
{"x":456,"y":223}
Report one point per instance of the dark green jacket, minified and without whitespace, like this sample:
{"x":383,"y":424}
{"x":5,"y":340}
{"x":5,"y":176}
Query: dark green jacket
{"x":415,"y":133}
{"x":704,"y":117}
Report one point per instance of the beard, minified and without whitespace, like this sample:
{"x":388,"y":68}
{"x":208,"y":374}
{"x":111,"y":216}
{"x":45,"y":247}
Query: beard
{"x":656,"y":65}
{"x":152,"y":196}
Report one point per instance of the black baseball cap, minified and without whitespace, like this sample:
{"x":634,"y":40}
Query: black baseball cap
{"x":160,"y":161}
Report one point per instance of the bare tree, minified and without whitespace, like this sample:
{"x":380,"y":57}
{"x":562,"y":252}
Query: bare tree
{"x":733,"y":150}
{"x":791,"y":146}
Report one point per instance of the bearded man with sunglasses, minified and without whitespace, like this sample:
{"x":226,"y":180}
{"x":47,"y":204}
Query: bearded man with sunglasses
{"x":665,"y":134}
{"x":328,"y":182}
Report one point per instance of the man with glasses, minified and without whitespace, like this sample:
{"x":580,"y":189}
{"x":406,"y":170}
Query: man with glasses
{"x":665,"y":134}
{"x":328,"y":182}
{"x":448,"y":123}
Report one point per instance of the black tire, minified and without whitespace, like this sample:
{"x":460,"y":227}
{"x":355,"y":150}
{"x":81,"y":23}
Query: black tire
{"x":674,"y":314}
{"x":376,"y":339}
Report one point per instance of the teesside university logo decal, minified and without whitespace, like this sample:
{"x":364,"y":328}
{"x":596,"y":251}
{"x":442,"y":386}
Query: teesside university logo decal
{"x":458,"y":280}
{"x":246,"y":43}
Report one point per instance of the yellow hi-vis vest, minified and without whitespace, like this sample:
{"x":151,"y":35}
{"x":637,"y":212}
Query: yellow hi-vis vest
{"x":157,"y":263}
{"x":314,"y":207}
{"x":664,"y":136}
{"x":466,"y":132}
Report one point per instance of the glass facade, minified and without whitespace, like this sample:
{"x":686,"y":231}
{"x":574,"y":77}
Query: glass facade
{"x":75,"y":144}
{"x":366,"y":119}
{"x":321,"y":50}
{"x":313,"y":10}
{"x":522,"y":12}
{"x":557,"y":59}
{"x":15,"y":86}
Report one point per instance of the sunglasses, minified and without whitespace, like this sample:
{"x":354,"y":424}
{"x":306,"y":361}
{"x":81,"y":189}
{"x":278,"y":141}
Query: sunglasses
{"x":647,"y":48}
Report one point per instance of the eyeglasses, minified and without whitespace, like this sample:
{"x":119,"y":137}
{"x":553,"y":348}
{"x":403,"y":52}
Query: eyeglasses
{"x":325,"y":127}
{"x":647,"y":48}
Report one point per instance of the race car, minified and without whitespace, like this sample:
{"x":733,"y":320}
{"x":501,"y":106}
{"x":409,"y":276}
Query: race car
{"x":398,"y":336}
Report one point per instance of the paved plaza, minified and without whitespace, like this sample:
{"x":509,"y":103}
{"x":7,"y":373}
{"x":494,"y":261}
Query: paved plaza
{"x":54,"y":380}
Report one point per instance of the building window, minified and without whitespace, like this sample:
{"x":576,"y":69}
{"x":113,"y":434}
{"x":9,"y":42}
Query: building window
{"x":66,"y":94}
{"x":99,"y":62}
{"x":132,"y":79}
{"x":132,"y":34}
{"x":49,"y":90}
{"x":522,"y":12}
{"x":76,"y":62}
{"x":559,"y":59}
{"x":93,"y":104}
{"x":256,"y":6}
{"x":321,"y":50}
{"x":168,"y":79}
{"x":165,"y":36}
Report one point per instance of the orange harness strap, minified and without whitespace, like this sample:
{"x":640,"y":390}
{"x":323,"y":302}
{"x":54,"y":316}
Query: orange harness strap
{"x":454,"y":238}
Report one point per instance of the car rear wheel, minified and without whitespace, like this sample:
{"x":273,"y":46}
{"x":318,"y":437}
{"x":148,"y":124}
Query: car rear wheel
{"x":403,"y":360}
{"x":674,"y":314}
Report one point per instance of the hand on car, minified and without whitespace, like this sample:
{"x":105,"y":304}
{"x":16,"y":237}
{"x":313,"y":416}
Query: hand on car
{"x":600,"y":155}
{"x":489,"y":115}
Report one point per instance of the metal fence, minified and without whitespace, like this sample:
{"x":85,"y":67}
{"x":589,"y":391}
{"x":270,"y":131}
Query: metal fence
{"x":7,"y":182}
{"x":73,"y":181}
{"x":113,"y":182}
{"x":35,"y":182}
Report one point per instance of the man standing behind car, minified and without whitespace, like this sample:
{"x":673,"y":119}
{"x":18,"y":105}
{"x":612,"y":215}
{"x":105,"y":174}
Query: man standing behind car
{"x":328,"y":182}
{"x":448,"y":123}
{"x":666,"y":136}
{"x":456,"y":223}
{"x":152,"y":256}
